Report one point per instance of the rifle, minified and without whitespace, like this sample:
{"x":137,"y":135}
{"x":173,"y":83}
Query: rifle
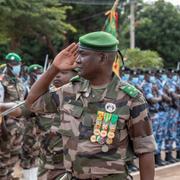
{"x":10,"y":110}
{"x":46,"y":63}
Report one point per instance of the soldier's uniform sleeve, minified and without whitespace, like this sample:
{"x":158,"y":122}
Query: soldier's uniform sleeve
{"x":139,"y":126}
{"x":47,"y":103}
{"x":25,"y":111}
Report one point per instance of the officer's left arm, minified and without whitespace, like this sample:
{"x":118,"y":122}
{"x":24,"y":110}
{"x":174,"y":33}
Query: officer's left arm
{"x":146,"y":166}
{"x":140,"y":131}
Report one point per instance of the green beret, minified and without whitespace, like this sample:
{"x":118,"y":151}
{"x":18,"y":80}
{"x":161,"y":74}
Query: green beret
{"x":99,"y":41}
{"x":13,"y":56}
{"x":34,"y":67}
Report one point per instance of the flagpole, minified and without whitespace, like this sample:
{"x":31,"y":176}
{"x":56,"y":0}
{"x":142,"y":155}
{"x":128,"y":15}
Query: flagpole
{"x":115,"y":5}
{"x":132,"y":22}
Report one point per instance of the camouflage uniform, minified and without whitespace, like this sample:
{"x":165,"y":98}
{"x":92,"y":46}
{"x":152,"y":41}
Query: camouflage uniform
{"x":43,"y":139}
{"x":30,"y":146}
{"x":78,"y":104}
{"x":11,"y":129}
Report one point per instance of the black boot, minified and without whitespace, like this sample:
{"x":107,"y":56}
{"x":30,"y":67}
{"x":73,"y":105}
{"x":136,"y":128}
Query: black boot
{"x":132,"y":167}
{"x":169,"y":157}
{"x":159,"y":161}
{"x":178,"y":155}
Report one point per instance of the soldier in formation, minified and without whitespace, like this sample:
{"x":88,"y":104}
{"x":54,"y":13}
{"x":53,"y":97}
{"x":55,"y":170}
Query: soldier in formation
{"x":161,"y":89}
{"x":10,"y":128}
{"x":41,"y":138}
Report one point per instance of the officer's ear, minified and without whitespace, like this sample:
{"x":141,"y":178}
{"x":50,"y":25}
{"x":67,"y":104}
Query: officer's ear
{"x":104,"y":58}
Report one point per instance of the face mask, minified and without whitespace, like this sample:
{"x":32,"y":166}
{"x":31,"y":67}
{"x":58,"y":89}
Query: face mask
{"x":38,"y":76}
{"x":174,"y":78}
{"x":125,"y":77}
{"x":164,"y":77}
{"x":16,"y":70}
{"x":152,"y":79}
{"x":141,"y":77}
{"x":135,"y":80}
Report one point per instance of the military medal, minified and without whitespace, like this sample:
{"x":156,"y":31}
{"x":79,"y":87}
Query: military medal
{"x":109,"y":141}
{"x":96,"y":132}
{"x":111,"y":135}
{"x":105,"y":148}
{"x":103,"y":134}
{"x":105,"y":127}
{"x":93,"y":139}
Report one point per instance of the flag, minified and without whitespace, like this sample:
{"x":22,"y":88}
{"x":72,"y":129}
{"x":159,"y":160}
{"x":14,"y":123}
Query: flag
{"x":111,"y":23}
{"x":111,"y":26}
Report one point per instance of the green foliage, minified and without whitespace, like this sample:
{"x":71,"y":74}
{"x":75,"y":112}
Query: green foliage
{"x":158,"y":29}
{"x":41,"y":22}
{"x":86,"y":19}
{"x":136,"y":58}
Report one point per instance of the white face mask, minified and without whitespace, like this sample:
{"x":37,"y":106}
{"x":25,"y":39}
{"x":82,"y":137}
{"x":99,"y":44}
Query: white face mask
{"x":135,"y":80}
{"x":16,"y":70}
{"x":163,"y":77}
{"x":141,"y":77}
{"x":174,"y":78}
{"x":152,"y":79}
{"x":38,"y":76}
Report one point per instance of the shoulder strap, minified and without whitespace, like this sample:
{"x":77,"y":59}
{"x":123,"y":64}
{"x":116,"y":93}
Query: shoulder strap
{"x":129,"y":89}
{"x":75,"y":79}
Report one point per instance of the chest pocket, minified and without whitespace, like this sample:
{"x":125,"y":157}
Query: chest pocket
{"x":71,"y":119}
{"x":86,"y":125}
{"x":121,"y":130}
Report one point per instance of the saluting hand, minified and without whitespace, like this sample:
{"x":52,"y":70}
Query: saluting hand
{"x":66,"y":59}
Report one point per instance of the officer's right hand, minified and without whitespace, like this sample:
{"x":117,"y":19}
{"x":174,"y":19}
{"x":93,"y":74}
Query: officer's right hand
{"x":66,"y":59}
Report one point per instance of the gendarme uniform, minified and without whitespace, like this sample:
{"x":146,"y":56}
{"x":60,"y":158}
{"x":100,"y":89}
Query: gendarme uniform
{"x":99,"y":123}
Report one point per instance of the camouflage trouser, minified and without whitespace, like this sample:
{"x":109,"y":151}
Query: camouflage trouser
{"x":171,"y":129}
{"x":10,"y":146}
{"x":30,"y":148}
{"x":51,"y":156}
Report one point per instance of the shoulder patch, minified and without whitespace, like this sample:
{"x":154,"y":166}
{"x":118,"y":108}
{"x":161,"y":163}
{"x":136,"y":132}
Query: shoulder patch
{"x":130,"y":90}
{"x":75,"y":79}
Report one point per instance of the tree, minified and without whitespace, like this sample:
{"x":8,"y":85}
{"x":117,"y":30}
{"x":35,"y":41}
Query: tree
{"x":41,"y":22}
{"x":136,"y":58}
{"x":158,"y":29}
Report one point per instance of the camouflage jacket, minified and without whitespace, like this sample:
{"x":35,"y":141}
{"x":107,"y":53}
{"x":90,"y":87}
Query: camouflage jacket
{"x":78,"y":104}
{"x":13,"y":89}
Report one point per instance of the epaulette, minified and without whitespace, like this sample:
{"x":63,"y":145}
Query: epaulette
{"x":75,"y":79}
{"x":130,"y":90}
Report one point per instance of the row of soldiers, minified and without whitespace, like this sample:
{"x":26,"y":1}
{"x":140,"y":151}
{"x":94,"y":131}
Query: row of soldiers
{"x":162,"y":91}
{"x":29,"y":138}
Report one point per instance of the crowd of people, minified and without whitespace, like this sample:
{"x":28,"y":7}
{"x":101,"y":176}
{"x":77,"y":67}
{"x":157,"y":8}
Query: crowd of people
{"x":161,"y":88}
{"x":33,"y":139}
{"x":48,"y":148}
